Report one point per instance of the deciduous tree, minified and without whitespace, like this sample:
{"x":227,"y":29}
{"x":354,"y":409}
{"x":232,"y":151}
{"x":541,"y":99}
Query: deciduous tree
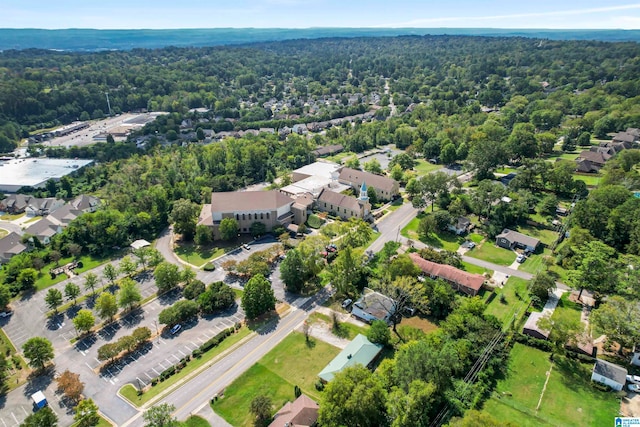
{"x":71,"y":291}
{"x":160,"y":416}
{"x":167,"y":276}
{"x":53,"y":299}
{"x":228,"y":228}
{"x":69,"y":383}
{"x":106,"y":305}
{"x":184,"y":217}
{"x":129,"y":294}
{"x":38,"y":350}
{"x":258,"y":297}
{"x":619,"y":319}
{"x":87,"y":414}
{"x":90,"y":282}
{"x":84,"y":321}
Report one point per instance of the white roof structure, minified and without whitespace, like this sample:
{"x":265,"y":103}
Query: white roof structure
{"x":17,"y":173}
{"x":314,"y":184}
{"x":319,"y":169}
{"x":140,"y":243}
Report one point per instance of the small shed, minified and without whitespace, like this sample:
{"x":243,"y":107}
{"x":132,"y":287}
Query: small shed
{"x":39,"y":399}
{"x":140,"y":243}
{"x":532,"y":329}
{"x":609,"y":374}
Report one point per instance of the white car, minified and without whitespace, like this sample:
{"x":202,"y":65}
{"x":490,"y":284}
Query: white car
{"x":633,"y":379}
{"x":176,"y":329}
{"x":520,"y":258}
{"x":634,"y":388}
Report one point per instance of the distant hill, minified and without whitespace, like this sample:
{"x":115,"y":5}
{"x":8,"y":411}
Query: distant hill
{"x":95,"y":40}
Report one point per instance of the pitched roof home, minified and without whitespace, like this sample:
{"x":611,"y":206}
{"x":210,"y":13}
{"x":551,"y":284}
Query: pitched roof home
{"x":596,"y":159}
{"x":15,"y":203}
{"x":532,"y":329}
{"x":39,"y":207}
{"x":85,"y":203}
{"x":43,"y":230}
{"x":627,"y":137}
{"x":461,"y":281}
{"x":302,"y":412}
{"x":510,"y":239}
{"x":360,"y":351}
{"x":386,"y":188}
{"x":342,"y":205}
{"x":606,"y":149}
{"x":328,"y":150}
{"x":372,"y":306}
{"x":11,"y":245}
{"x":461,"y":225}
{"x":609,"y":374}
{"x":64,"y":215}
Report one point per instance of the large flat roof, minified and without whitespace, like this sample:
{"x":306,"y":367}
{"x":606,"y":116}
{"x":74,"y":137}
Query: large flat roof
{"x":33,"y":172}
{"x":320,"y":169}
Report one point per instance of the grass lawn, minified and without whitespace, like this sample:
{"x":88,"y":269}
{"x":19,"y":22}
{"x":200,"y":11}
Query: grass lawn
{"x":475,"y":237}
{"x":88,"y":263}
{"x":17,"y":368}
{"x":423,"y":167}
{"x":130,"y":393}
{"x":396,"y":204}
{"x":472,"y":268}
{"x":506,"y":170}
{"x":347,"y":330}
{"x":563,"y":156}
{"x":291,"y":363}
{"x":3,"y":233}
{"x":195,"y":421}
{"x":569,"y":399}
{"x":505,"y":311}
{"x":337,"y":158}
{"x":567,"y":309}
{"x":488,"y":251}
{"x":590,"y":179}
{"x":195,"y":255}
{"x":535,"y":262}
{"x":545,"y":236}
{"x":441,"y":240}
{"x":9,"y":217}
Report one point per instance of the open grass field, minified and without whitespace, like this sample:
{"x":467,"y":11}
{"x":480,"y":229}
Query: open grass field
{"x":472,"y":268}
{"x":513,"y":304}
{"x":488,"y":251}
{"x":423,"y":167}
{"x":195,"y":255}
{"x":567,"y":309}
{"x":440,"y":240}
{"x":88,"y":263}
{"x":195,"y":421}
{"x":569,"y":399}
{"x":590,"y":179}
{"x":347,"y":330}
{"x":545,"y":236}
{"x":293,"y":362}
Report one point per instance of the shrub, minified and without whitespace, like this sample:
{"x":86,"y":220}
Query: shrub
{"x":210,"y":266}
{"x":319,"y":385}
{"x":314,"y":221}
{"x":543,"y":345}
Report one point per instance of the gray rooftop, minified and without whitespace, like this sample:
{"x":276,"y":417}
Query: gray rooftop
{"x":611,"y":371}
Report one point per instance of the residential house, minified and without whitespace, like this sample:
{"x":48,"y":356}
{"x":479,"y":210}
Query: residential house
{"x":43,"y":230}
{"x":64,"y":215}
{"x":532,"y":329}
{"x":510,"y":239}
{"x":609,"y":374}
{"x":385,"y":188}
{"x":459,"y":280}
{"x":342,"y":205}
{"x":41,"y":207}
{"x":85,"y":203}
{"x":591,"y":161}
{"x":372,"y":306}
{"x":328,"y":150}
{"x":15,"y":203}
{"x":302,"y":412}
{"x":11,"y":245}
{"x":626,"y":137}
{"x":461,"y":226}
{"x":606,"y":149}
{"x":360,"y":351}
{"x":272,"y":208}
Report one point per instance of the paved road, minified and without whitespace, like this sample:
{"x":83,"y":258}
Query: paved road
{"x":390,"y":226}
{"x":11,"y":227}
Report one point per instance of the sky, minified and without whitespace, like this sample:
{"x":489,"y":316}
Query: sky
{"x":159,"y":14}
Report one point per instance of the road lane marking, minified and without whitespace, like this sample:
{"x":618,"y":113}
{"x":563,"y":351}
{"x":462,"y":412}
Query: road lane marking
{"x":154,"y":370}
{"x":148,"y":376}
{"x":181,"y":352}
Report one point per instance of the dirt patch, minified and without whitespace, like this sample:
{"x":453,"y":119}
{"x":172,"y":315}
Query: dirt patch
{"x":422,"y":323}
{"x":630,"y":405}
{"x":322,"y":331}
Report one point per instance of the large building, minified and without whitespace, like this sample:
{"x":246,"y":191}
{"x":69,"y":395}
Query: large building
{"x":31,"y":172}
{"x":343,"y":205}
{"x":459,"y":280}
{"x":386,"y":188}
{"x":272,"y":208}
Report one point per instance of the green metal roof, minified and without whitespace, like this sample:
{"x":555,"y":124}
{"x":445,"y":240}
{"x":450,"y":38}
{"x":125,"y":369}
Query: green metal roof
{"x":359,"y":351}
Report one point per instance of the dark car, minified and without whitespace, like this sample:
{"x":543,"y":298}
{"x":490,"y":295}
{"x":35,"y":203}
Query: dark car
{"x":176,"y":329}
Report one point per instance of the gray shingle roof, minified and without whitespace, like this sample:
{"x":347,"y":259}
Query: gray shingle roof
{"x":611,"y":371}
{"x":358,"y":177}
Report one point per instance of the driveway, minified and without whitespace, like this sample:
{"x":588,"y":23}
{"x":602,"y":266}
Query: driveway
{"x":11,"y":227}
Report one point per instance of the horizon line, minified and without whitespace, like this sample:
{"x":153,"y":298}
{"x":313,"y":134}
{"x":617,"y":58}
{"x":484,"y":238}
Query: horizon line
{"x":319,"y":28}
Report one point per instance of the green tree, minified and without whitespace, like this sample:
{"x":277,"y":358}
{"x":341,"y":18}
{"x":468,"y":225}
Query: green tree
{"x":129,"y":294}
{"x":84,"y":321}
{"x":106,"y":305}
{"x":292,"y":271}
{"x":372,"y":195}
{"x":218,"y":296}
{"x":72,"y":291}
{"x":448,"y":154}
{"x":619,"y":319}
{"x":193,"y":289}
{"x":184,"y":217}
{"x":53,"y":299}
{"x":45,"y":417}
{"x":160,"y":416}
{"x":426,"y":226}
{"x":228,"y":228}
{"x":379,"y":332}
{"x":373,"y":166}
{"x":5,"y":295}
{"x":38,"y":350}
{"x":110,"y":273}
{"x":204,"y":235}
{"x":86,"y":414}
{"x":475,"y":418}
{"x":432,"y":185}
{"x":141,"y":335}
{"x":167,"y":276}
{"x":142,"y":254}
{"x":541,"y":284}
{"x":27,"y":279}
{"x":127,"y":266}
{"x":108,"y":351}
{"x":90,"y":282}
{"x":258,"y":229}
{"x":258,"y":297}
{"x":403,"y":292}
{"x":261,"y":410}
{"x":355,"y":397}
{"x":593,"y":272}
{"x":411,"y":408}
{"x":346,"y":271}
{"x":562,"y":330}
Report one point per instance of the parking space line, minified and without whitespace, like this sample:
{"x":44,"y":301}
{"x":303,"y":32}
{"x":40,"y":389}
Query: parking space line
{"x":148,"y":376}
{"x":162,"y":366}
{"x":5,"y":424}
{"x":25,"y":411}
{"x":182,"y":353}
{"x":176,"y":357}
{"x":89,"y":366}
{"x":14,"y":417}
{"x":154,"y":370}
{"x":145,"y":384}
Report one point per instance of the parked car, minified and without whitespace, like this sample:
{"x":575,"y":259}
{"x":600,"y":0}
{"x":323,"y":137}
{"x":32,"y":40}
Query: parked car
{"x":6,"y":313}
{"x":176,"y":329}
{"x":520,"y":258}
{"x":634,"y":388}
{"x":246,"y":246}
{"x":471,"y":245}
{"x":634,"y":379}
{"x":346,"y":303}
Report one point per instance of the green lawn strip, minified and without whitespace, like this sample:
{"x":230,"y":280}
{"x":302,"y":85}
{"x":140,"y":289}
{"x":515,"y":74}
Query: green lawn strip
{"x":130,"y":393}
{"x":545,"y":236}
{"x":571,"y":400}
{"x":16,"y":376}
{"x":291,"y":363}
{"x":396,"y":204}
{"x":3,"y":233}
{"x":567,"y":309}
{"x":9,"y":217}
{"x":101,"y":423}
{"x":472,"y":268}
{"x":348,"y":330}
{"x":513,"y":305}
{"x":505,"y":170}
{"x":423,"y":167}
{"x":195,"y":255}
{"x":195,"y":421}
{"x":488,"y":251}
{"x":507,"y":412}
{"x":238,"y":292}
{"x":535,"y":262}
{"x":88,"y":263}
{"x":475,"y":237}
{"x":590,"y":179}
{"x":337,"y":158}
